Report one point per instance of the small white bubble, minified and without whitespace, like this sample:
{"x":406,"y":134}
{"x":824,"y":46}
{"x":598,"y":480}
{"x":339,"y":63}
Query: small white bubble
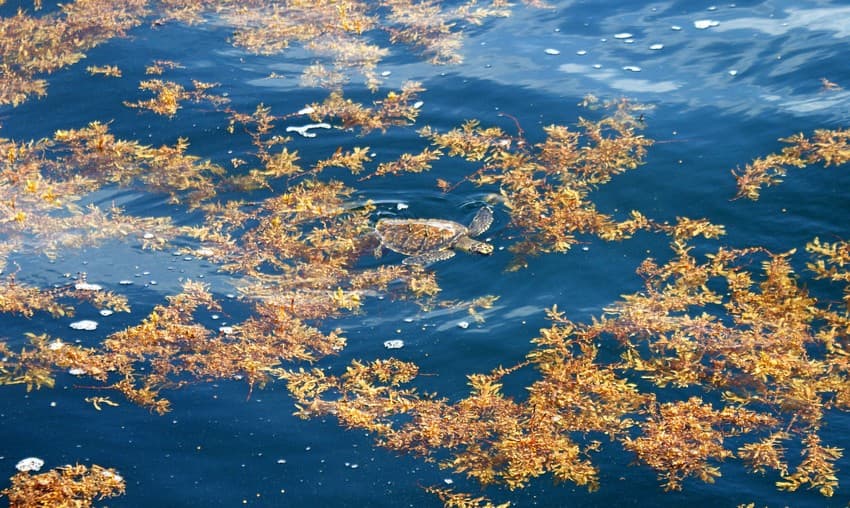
{"x":551,"y":51}
{"x":85,"y":324}
{"x":702,"y":24}
{"x":581,"y":52}
{"x":675,"y":28}
{"x":394,"y":344}
{"x":106,"y":312}
{"x":85,"y":286}
{"x":29,"y":464}
{"x":631,"y":68}
{"x":656,"y":47}
{"x":733,"y":72}
{"x":463,"y":324}
{"x":623,"y":35}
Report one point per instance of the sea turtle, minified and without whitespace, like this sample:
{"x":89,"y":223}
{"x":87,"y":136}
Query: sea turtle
{"x":426,"y":241}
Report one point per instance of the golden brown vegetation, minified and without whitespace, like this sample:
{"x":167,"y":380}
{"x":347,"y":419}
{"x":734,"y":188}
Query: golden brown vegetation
{"x":770,"y":359}
{"x":69,"y":486}
{"x":33,"y":46}
{"x":745,"y":338}
{"x":750,"y":343}
{"x":827,"y":147}
{"x":334,"y":31}
{"x":169,"y":94}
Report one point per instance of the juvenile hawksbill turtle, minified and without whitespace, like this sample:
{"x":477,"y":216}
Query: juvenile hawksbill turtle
{"x":427,"y":241}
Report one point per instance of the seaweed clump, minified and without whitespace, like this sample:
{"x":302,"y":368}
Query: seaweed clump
{"x":749,"y":346}
{"x":826,"y":146}
{"x":76,"y":486}
{"x":711,"y":361}
{"x":32,"y":46}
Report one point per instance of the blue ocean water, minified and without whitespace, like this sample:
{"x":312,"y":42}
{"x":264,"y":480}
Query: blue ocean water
{"x":720,"y":97}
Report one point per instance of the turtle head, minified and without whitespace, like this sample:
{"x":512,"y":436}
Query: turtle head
{"x":469,"y":245}
{"x":483,"y":248}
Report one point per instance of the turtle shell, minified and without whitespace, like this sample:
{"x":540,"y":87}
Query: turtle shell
{"x":413,"y":237}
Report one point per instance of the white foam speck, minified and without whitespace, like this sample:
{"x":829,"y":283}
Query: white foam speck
{"x":305,"y":111}
{"x":733,"y":72}
{"x":402,"y":206}
{"x":386,"y":73}
{"x":76,"y":371}
{"x":675,"y":28}
{"x":227,"y":330}
{"x":623,"y":35}
{"x":55,"y":345}
{"x":551,"y":51}
{"x":631,"y":68}
{"x":85,"y":324}
{"x":110,"y":474}
{"x":148,"y":236}
{"x":702,"y":24}
{"x":394,"y":344}
{"x":581,"y":52}
{"x":29,"y":464}
{"x":418,"y":104}
{"x":463,"y":324}
{"x":304,"y":130}
{"x":105,"y":312}
{"x":85,"y":286}
{"x":656,"y":47}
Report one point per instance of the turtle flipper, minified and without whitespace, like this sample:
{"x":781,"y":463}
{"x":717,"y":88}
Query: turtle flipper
{"x":429,"y":257}
{"x":481,"y":222}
